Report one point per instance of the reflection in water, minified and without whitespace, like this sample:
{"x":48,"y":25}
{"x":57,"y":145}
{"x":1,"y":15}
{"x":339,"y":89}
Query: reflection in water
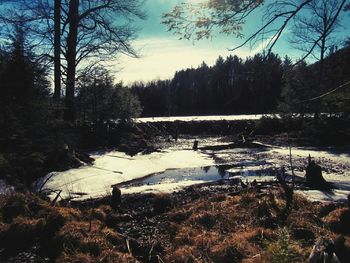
{"x":222,"y":171}
{"x":179,"y":177}
{"x":206,"y":169}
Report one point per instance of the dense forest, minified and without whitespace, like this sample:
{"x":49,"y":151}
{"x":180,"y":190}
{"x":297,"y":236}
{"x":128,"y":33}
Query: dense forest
{"x":258,"y":84}
{"x":33,"y":132}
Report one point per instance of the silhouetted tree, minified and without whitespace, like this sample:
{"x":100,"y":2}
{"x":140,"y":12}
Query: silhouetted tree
{"x":24,"y":89}
{"x":200,"y":20}
{"x":230,"y":86}
{"x":100,"y":100}
{"x":91,"y":32}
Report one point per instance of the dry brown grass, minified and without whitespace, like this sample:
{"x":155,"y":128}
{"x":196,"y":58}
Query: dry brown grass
{"x":245,"y":228}
{"x":74,"y":258}
{"x":339,"y":220}
{"x":111,"y":255}
{"x":67,"y":234}
{"x":213,"y":229}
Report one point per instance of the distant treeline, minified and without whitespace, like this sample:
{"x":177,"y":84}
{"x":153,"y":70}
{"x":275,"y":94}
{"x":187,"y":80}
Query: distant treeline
{"x":259,"y":84}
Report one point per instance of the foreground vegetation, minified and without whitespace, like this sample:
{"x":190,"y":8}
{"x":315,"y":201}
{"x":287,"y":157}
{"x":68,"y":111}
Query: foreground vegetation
{"x":190,"y":226}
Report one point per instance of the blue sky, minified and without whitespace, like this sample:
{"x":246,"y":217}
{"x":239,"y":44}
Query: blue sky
{"x":162,"y":54}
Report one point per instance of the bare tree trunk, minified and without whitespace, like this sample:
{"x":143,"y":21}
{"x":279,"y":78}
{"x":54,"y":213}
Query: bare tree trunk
{"x":320,"y":75}
{"x":69,"y":113}
{"x":57,"y":52}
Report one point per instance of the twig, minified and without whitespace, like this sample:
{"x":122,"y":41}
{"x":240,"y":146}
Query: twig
{"x":160,"y":259}
{"x":128,"y":246}
{"x":46,"y":180}
{"x":327,"y":93}
{"x":57,"y":196}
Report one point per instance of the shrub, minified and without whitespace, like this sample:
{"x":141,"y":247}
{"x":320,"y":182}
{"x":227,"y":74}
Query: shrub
{"x":283,"y":250}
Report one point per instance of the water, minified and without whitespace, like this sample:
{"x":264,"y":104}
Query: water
{"x":172,"y":180}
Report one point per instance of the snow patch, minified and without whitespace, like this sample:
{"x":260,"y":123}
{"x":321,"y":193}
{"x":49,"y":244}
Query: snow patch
{"x":202,"y":118}
{"x":117,"y":167}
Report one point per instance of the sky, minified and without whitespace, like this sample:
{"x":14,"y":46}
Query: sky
{"x":162,"y":53}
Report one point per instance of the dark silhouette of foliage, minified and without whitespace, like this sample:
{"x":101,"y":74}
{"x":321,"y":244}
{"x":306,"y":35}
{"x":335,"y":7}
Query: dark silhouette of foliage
{"x":99,"y":100}
{"x":230,"y":86}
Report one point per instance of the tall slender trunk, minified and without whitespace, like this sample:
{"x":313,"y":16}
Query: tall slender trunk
{"x":73,"y":14}
{"x":320,"y":77}
{"x":57,"y":50}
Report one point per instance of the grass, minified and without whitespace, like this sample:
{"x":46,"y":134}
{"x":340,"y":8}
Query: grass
{"x":216,"y":229}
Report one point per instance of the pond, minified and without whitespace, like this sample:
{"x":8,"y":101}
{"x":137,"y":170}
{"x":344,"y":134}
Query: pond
{"x":176,"y":167}
{"x":176,"y":179}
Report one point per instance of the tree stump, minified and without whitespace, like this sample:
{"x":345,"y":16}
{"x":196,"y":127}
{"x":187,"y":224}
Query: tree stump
{"x":195,"y":145}
{"x":116,"y":198}
{"x":314,"y":175}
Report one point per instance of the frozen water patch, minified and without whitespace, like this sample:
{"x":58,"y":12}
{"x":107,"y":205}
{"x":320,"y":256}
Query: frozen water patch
{"x":315,"y":153}
{"x":334,"y":195}
{"x":202,"y":118}
{"x":259,"y":173}
{"x":248,"y":164}
{"x":173,"y":180}
{"x":116,"y":167}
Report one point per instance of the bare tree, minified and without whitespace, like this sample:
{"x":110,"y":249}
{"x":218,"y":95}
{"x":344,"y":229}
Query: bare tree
{"x":316,"y":26}
{"x":91,"y":32}
{"x":198,"y":21}
{"x":94,"y":31}
{"x":57,"y":49}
